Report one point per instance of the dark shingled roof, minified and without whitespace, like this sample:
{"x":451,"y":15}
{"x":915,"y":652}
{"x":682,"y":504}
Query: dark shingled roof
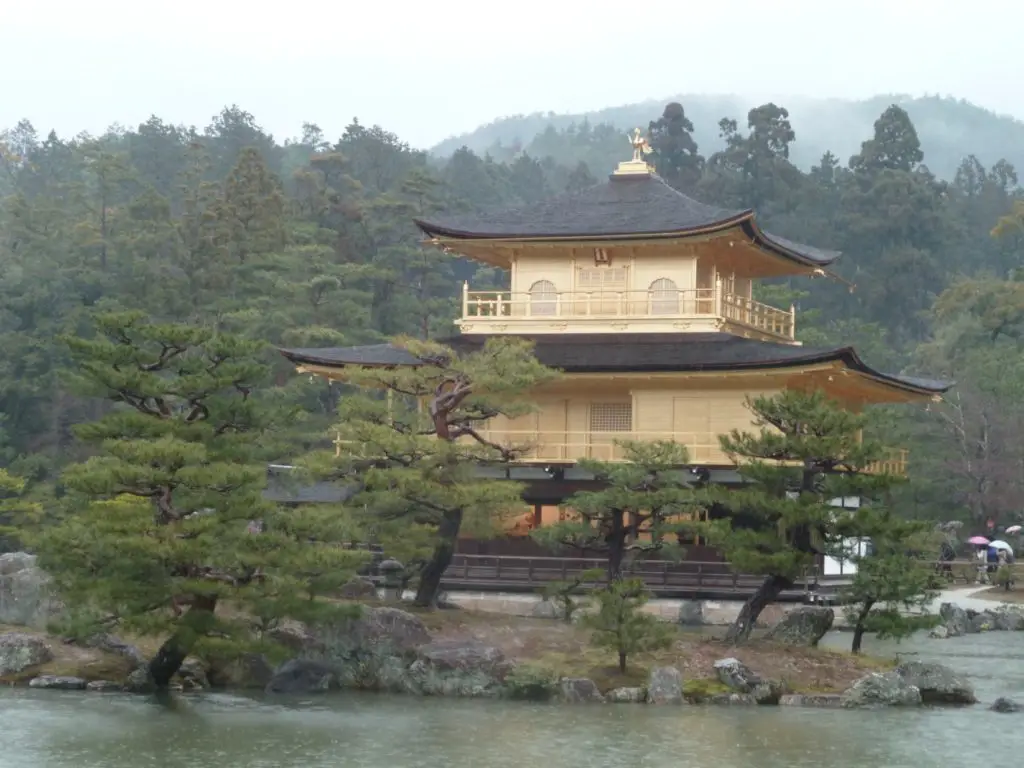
{"x":624,"y":205}
{"x":632,"y":353}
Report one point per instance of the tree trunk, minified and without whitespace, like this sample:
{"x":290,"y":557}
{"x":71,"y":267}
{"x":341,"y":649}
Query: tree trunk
{"x":616,"y":542}
{"x":858,"y":629}
{"x":195,"y":624}
{"x":430,"y":578}
{"x":766,"y":594}
{"x":622,"y":662}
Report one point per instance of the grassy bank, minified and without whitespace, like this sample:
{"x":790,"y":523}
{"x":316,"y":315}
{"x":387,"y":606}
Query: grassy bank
{"x":564,"y":650}
{"x":555,"y":648}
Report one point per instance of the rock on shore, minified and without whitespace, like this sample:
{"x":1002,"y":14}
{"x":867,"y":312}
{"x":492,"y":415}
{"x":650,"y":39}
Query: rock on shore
{"x":957,"y":621}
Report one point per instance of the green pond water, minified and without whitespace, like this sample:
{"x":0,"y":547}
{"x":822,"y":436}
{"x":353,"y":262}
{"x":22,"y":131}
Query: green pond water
{"x":42,"y":729}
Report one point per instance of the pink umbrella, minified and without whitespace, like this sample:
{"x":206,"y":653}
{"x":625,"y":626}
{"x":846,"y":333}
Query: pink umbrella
{"x":978,"y":540}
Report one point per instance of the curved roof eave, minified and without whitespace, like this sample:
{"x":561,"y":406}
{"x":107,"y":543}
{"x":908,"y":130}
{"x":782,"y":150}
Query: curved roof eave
{"x":789,"y":249}
{"x":437,"y":230}
{"x":387,"y":355}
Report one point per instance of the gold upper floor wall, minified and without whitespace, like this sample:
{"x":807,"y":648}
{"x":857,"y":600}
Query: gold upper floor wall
{"x":691,"y":285}
{"x":585,"y":418}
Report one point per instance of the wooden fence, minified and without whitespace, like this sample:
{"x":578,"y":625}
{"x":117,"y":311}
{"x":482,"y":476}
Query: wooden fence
{"x":664,"y":578}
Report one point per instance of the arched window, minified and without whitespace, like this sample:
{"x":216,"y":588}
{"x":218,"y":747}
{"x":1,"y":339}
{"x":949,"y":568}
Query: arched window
{"x":543,"y":298}
{"x":664,"y":297}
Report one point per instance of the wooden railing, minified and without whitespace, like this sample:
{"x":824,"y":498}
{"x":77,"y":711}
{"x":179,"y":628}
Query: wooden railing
{"x":663,"y":577}
{"x":702,"y":447}
{"x":630,"y":305}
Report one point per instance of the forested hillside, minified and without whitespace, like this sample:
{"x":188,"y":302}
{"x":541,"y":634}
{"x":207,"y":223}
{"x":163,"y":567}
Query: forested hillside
{"x":309,"y":241}
{"x":949,"y":129}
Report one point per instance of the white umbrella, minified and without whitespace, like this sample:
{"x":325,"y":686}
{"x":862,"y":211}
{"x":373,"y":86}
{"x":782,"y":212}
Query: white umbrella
{"x":1001,"y":545}
{"x":1013,"y":529}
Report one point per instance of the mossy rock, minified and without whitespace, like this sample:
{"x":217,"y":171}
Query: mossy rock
{"x":701,"y":689}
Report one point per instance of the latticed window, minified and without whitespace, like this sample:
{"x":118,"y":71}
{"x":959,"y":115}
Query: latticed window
{"x":611,"y":417}
{"x":664,"y":297}
{"x":543,"y":298}
{"x":601,"y":279}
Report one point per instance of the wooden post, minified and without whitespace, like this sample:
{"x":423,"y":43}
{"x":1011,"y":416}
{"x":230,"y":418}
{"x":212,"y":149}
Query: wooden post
{"x":465,"y":298}
{"x":718,"y":296}
{"x":792,"y":321}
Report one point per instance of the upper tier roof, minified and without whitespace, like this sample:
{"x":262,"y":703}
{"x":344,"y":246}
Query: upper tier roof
{"x":630,"y":206}
{"x":634,"y":353}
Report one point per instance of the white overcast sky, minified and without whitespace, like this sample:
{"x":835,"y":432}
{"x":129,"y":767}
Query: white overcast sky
{"x":427,"y":69}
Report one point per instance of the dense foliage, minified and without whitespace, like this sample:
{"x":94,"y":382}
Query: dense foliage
{"x":410,"y":440}
{"x":807,"y":452}
{"x":166,"y":520}
{"x":309,"y":242}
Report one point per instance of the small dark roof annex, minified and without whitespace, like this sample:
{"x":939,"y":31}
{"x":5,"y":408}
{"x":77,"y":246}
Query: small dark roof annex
{"x":632,"y":353}
{"x":623,"y":206}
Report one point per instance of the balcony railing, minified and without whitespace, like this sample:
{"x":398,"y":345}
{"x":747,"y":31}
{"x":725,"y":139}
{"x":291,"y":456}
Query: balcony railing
{"x":701,"y":447}
{"x":649,"y":305}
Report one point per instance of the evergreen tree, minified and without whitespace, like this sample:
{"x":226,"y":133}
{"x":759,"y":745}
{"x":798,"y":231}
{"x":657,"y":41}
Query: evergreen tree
{"x":895,"y":145}
{"x":645,"y":499}
{"x":620,"y":624}
{"x":892,"y":587}
{"x":415,"y":454}
{"x":675,"y":152}
{"x":163,"y":515}
{"x":807,"y":452}
{"x":252,"y":208}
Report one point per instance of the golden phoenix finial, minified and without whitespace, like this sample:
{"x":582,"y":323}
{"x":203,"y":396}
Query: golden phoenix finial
{"x":640,"y":146}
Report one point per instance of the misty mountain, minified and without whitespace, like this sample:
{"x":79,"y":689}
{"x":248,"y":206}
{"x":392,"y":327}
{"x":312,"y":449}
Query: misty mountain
{"x":949,"y":129}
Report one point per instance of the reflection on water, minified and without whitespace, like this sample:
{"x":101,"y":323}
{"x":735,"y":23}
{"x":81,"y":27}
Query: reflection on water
{"x":41,"y":729}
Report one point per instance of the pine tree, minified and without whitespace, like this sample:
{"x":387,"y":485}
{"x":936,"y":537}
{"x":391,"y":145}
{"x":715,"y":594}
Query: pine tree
{"x":169,"y":512}
{"x":892,"y":587}
{"x":252,"y":208}
{"x":807,"y":452}
{"x":620,"y":625}
{"x":645,"y":499}
{"x":675,"y":151}
{"x":415,"y":451}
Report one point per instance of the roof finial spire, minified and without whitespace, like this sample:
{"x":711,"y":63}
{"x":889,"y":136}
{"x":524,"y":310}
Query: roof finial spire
{"x":640,"y":146}
{"x":638,"y":166}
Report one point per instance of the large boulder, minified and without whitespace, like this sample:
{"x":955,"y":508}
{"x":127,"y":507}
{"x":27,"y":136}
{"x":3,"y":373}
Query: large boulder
{"x":1005,"y":705}
{"x":802,"y":626}
{"x":26,"y":598}
{"x":954,"y":619}
{"x":20,"y":651}
{"x":302,"y":676}
{"x":382,"y":630}
{"x":938,"y":684}
{"x":737,"y":676}
{"x":247,"y":670}
{"x":627,"y":696}
{"x":58,"y":682}
{"x":454,"y":668}
{"x":881,"y":690}
{"x":1009,"y":619}
{"x":986,"y":621}
{"x":691,"y":613}
{"x":579,"y":690}
{"x":665,"y":686}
